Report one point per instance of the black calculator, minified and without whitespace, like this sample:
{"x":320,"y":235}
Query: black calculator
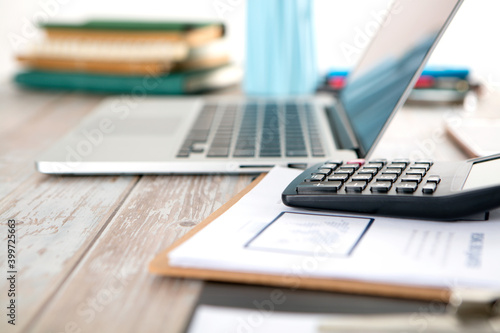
{"x":404,"y":188}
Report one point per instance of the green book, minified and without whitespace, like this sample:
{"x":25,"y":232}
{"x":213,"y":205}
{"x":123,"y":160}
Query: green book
{"x":169,"y":84}
{"x":130,"y":25}
{"x":192,"y":32}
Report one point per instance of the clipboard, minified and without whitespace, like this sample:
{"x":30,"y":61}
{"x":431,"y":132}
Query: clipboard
{"x":160,"y":265}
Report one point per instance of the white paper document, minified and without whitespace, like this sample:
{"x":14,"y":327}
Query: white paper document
{"x":225,"y":320}
{"x":229,"y":320}
{"x":259,"y":234}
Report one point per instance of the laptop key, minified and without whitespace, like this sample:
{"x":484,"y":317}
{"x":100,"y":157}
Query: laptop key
{"x":199,"y":131}
{"x":244,"y":153}
{"x":294,"y":140}
{"x":218,"y":152}
{"x":222,"y":140}
{"x":270,"y":153}
{"x":314,"y":137}
{"x":183,"y":153}
{"x":296,"y":153}
{"x":317,"y":152}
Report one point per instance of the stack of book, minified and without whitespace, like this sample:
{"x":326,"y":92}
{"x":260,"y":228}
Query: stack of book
{"x":435,"y":85}
{"x":129,"y":57}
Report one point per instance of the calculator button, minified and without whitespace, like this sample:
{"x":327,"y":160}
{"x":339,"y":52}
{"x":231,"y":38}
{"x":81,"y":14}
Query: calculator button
{"x":338,"y":176}
{"x":416,"y":171}
{"x":429,"y":188}
{"x":375,"y":165}
{"x":348,"y":170}
{"x":427,"y":163}
{"x":387,"y":177}
{"x":400,"y":160}
{"x":434,"y":179}
{"x":324,"y":171}
{"x":359,"y":161}
{"x":411,"y":178}
{"x":336,"y":162}
{"x":396,"y":165}
{"x":394,"y":171}
{"x":420,"y":166}
{"x":330,"y":166}
{"x":381,"y":187}
{"x":356,"y":186}
{"x":372,"y":171}
{"x":315,"y":177}
{"x":350,"y":166}
{"x":362,"y":176}
{"x":319,"y":187}
{"x":383,"y":161}
{"x":406,"y":187}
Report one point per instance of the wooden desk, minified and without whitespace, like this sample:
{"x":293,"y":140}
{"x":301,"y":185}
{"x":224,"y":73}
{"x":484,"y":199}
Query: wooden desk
{"x":84,"y":242}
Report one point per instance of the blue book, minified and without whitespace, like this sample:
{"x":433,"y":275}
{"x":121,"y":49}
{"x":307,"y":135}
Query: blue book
{"x":434,"y":71}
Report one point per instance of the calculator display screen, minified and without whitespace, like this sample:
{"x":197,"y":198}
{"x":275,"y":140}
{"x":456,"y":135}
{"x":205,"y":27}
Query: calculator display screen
{"x":486,"y":173}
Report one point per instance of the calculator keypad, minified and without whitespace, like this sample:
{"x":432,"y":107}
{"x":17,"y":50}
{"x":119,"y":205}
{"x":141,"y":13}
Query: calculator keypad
{"x":375,"y":176}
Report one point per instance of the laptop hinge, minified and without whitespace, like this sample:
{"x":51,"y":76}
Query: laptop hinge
{"x":341,"y":128}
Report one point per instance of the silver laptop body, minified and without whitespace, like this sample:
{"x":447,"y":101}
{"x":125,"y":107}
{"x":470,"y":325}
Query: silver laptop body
{"x":156,"y":135}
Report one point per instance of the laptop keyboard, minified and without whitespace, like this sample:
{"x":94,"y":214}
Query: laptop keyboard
{"x":246,"y":145}
{"x":254,"y":130}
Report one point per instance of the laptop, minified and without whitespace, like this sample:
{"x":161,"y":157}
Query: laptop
{"x":159,"y":135}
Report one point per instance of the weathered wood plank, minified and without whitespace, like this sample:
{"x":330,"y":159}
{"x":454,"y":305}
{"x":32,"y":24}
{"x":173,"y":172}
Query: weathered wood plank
{"x":111,"y":290}
{"x":58,"y":218}
{"x":18,"y":106}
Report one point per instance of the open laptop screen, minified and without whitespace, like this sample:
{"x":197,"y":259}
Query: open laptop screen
{"x":386,"y":73}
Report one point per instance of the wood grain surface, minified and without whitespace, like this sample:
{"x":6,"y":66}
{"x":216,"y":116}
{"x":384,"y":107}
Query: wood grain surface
{"x":84,"y":243}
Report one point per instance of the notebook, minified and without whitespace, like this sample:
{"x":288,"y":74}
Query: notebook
{"x":135,"y":134}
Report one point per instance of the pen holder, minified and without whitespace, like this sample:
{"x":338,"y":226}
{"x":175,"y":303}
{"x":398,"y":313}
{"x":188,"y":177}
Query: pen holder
{"x":281,"y":54}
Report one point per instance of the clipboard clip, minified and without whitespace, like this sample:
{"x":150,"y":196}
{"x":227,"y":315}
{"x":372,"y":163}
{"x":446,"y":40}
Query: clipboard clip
{"x":468,"y":311}
{"x":474,"y":303}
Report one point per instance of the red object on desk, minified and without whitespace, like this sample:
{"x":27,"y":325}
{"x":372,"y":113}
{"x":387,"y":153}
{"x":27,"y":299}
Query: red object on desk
{"x":425,"y":81}
{"x":337,"y":82}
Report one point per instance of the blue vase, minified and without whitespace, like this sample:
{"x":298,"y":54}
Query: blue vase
{"x":281,"y":53}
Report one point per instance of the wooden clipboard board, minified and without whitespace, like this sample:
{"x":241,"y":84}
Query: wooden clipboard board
{"x":160,"y":265}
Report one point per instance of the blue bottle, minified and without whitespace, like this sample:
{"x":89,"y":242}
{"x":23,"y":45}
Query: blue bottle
{"x":281,"y":53}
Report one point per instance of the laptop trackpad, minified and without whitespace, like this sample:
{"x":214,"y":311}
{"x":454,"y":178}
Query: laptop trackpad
{"x":136,"y":138}
{"x":164,"y":126}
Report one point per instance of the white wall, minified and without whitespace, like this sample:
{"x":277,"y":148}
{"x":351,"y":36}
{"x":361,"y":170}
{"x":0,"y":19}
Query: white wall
{"x":471,"y":39}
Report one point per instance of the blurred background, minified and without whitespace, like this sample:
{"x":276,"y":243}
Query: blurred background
{"x":470,"y":41}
